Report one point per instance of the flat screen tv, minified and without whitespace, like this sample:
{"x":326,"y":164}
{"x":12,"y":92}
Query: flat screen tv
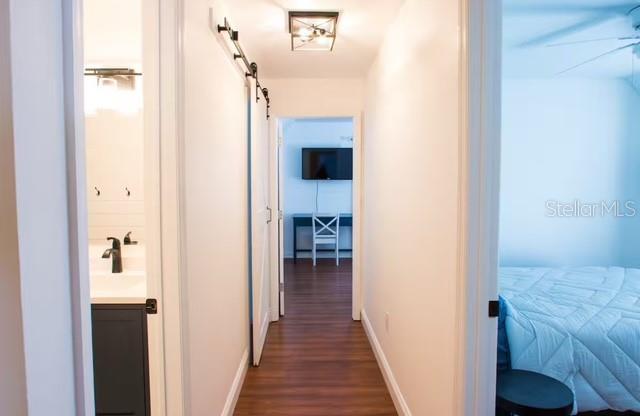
{"x":327,"y":163}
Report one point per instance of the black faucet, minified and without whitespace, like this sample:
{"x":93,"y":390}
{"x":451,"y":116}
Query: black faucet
{"x":116,"y":256}
{"x":127,"y":240}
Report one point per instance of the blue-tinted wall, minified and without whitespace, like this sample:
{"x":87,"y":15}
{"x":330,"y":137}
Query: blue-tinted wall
{"x":566,"y":140}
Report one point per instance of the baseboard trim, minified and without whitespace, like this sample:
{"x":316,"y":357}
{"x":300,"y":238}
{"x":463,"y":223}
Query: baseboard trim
{"x":394,"y":389}
{"x":236,"y":387}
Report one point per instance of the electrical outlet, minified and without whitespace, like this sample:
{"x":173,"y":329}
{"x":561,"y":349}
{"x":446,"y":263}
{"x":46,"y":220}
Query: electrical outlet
{"x":386,"y":321}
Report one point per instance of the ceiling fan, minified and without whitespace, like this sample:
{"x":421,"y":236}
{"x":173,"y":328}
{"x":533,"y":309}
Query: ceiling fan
{"x":631,"y":42}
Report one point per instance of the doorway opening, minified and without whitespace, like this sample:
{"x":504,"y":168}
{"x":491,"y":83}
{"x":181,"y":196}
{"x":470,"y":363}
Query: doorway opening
{"x":568,"y":262}
{"x":317,"y":199}
{"x":122,"y":177}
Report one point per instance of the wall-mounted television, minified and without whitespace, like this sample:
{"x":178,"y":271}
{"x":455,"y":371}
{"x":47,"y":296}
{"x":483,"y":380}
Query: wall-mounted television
{"x":327,"y":163}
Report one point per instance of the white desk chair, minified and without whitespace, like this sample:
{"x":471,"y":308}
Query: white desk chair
{"x":326,"y":230}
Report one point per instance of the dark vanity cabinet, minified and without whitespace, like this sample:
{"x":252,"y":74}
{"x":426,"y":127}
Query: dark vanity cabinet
{"x":120,"y":360}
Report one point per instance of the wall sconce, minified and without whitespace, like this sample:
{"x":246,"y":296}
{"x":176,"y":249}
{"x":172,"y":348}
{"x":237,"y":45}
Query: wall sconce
{"x":313,"y":31}
{"x":113,"y":89}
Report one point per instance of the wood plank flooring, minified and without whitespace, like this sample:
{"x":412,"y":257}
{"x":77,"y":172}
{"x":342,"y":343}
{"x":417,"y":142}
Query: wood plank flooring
{"x":317,"y":361}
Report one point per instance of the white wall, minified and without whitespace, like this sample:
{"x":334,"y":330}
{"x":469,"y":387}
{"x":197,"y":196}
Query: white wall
{"x":41,"y":199}
{"x":299,"y":194}
{"x":410,"y":207}
{"x":13,"y":395}
{"x":566,"y":140}
{"x":112,"y":35}
{"x":115,"y":161}
{"x":215,"y":212}
{"x":309,"y":97}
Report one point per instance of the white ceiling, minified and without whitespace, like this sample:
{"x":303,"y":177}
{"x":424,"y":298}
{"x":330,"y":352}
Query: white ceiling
{"x":531,"y":25}
{"x":263,"y":28}
{"x":112,"y":32}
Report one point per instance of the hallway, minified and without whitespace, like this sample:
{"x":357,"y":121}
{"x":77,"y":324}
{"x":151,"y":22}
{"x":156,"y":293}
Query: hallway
{"x":316,"y":361}
{"x":145,"y":172}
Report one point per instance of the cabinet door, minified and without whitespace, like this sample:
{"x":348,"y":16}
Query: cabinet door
{"x":120,"y":360}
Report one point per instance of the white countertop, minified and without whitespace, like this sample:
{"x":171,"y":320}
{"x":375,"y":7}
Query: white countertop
{"x":128,"y":287}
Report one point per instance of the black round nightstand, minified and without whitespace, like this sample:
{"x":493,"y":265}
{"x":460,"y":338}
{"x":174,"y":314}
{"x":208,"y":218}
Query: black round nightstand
{"x":526,"y":393}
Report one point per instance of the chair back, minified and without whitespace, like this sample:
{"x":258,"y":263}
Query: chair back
{"x":326,"y":225}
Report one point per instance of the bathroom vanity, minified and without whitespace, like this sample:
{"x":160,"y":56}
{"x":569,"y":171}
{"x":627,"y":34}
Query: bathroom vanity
{"x":120,"y":343}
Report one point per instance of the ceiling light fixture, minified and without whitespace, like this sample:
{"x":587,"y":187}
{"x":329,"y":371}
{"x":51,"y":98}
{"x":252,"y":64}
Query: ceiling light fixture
{"x":313,"y":31}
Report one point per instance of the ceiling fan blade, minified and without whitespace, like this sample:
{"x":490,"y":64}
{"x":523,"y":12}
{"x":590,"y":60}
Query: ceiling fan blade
{"x":570,"y":30}
{"x":577,"y":42}
{"x":631,"y":45}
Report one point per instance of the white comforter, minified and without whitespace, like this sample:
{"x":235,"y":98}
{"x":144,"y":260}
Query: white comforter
{"x":580,"y":326}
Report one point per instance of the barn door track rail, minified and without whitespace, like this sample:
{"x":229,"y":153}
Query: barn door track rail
{"x":251,"y":68}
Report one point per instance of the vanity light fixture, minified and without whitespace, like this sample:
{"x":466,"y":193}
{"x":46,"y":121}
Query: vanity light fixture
{"x":113,"y":89}
{"x":124,"y":77}
{"x":313,"y":31}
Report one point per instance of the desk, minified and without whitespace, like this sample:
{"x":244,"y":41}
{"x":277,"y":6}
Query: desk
{"x":306,"y":220}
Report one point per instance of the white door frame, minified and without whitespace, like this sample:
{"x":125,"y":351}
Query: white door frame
{"x":162,"y":137}
{"x":277,"y":226}
{"x":172,"y":187}
{"x":480,"y":109}
{"x":152,"y":195}
{"x":277,"y":201}
{"x":77,"y":197}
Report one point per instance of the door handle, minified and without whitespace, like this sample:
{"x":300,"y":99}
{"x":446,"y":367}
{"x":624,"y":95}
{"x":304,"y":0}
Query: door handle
{"x":270,"y":215}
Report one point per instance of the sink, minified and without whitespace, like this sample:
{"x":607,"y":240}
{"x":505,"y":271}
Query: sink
{"x":130,"y":286}
{"x":127,"y":287}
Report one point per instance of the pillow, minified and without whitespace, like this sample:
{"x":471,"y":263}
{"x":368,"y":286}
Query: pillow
{"x":504,"y":357}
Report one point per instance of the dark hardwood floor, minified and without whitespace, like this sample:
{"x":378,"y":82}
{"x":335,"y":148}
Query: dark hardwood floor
{"x":317,"y":361}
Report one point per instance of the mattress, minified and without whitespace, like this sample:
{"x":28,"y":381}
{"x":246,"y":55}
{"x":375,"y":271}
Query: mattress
{"x":580,"y":326}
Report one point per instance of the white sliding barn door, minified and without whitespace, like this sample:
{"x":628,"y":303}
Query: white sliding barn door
{"x":261,"y":218}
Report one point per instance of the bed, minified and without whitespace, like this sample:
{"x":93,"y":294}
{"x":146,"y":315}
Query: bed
{"x":580,"y":326}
